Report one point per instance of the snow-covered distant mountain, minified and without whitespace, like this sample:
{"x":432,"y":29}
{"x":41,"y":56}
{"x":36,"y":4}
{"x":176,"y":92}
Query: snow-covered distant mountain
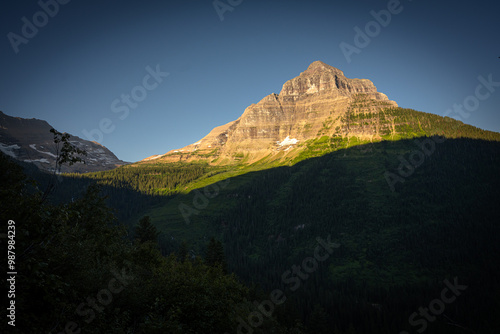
{"x":30,"y":140}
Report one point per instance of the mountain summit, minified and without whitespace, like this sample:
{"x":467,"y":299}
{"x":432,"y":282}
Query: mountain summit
{"x":320,"y":77}
{"x":309,"y":106}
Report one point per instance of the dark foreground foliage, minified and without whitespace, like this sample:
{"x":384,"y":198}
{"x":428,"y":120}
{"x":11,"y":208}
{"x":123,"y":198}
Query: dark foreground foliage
{"x":79,"y":272}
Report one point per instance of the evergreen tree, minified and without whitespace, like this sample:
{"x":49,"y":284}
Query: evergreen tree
{"x":183,"y":251}
{"x":318,"y":321}
{"x":146,"y":231}
{"x":215,"y":255}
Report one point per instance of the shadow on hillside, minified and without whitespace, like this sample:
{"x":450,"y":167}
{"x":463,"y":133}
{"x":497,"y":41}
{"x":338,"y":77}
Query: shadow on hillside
{"x":397,"y":244}
{"x":377,"y":173}
{"x":374,"y":174}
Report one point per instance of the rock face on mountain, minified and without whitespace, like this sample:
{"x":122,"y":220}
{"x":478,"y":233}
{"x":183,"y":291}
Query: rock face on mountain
{"x":313,"y":104}
{"x":30,"y":140}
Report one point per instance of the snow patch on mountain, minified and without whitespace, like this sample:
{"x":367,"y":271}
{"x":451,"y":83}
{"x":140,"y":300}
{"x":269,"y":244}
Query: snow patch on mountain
{"x":33,"y":146}
{"x":38,"y":160}
{"x":287,"y":141}
{"x":9,"y":149}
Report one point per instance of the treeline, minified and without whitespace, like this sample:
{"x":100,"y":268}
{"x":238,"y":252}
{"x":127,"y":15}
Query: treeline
{"x":148,"y":179}
{"x":128,"y":189}
{"x":398,"y":123}
{"x":391,"y":124}
{"x":411,"y":122}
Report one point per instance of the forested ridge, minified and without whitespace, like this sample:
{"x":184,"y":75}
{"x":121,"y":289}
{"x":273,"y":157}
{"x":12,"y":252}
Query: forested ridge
{"x":410,"y":214}
{"x":396,"y":248}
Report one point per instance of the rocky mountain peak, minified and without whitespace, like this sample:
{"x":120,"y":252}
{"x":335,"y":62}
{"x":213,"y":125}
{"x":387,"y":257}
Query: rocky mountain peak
{"x":322,"y":67}
{"x":315,"y":103}
{"x":325,"y":79}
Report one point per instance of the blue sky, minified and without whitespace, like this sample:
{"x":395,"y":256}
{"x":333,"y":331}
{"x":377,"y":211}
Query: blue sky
{"x":90,"y":54}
